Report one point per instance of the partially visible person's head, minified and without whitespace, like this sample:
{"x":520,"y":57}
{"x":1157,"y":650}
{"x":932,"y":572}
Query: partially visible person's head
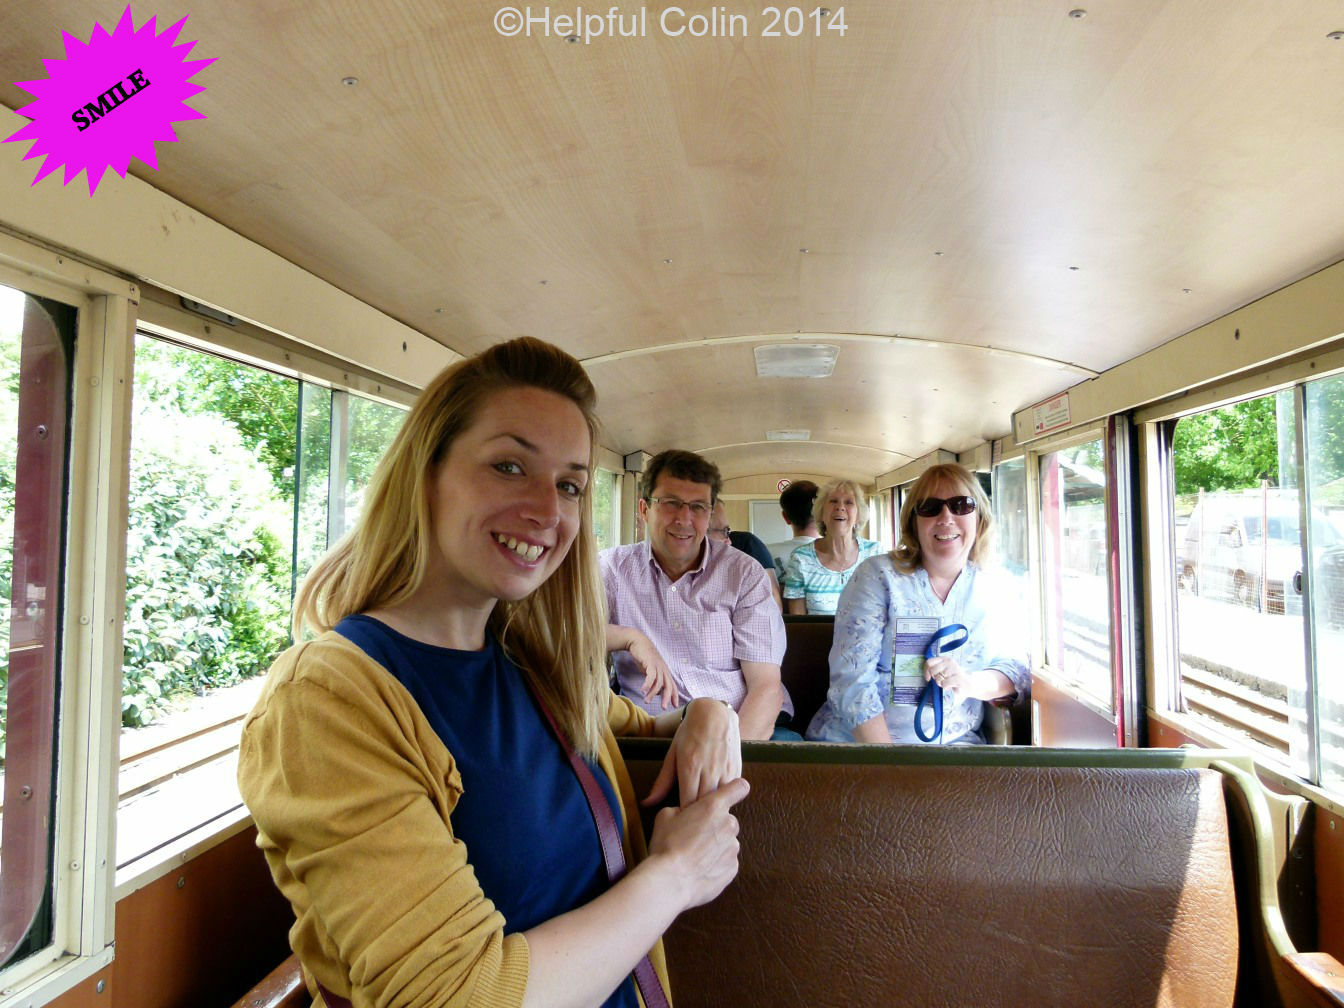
{"x":944,"y":535}
{"x":682,"y":465}
{"x":677,"y":492}
{"x":841,"y":509}
{"x":796,"y":504}
{"x":718,"y":523}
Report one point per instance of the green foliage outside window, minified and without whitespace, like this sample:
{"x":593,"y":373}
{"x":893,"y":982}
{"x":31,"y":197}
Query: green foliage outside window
{"x":1232,"y":448}
{"x":207,"y":553}
{"x":604,"y":517}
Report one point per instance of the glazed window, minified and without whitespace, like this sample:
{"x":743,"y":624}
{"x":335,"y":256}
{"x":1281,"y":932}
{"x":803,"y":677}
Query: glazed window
{"x":1010,"y":516}
{"x":606,"y":508}
{"x":1073,"y":569}
{"x":1239,"y":614}
{"x":240,"y":478}
{"x":1323,"y":402}
{"x":36,"y":353}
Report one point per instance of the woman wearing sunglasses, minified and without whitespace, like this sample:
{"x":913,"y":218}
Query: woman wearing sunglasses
{"x":816,"y":572}
{"x":925,"y":613}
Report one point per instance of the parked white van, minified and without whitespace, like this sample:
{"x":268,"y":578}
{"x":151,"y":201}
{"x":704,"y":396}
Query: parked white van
{"x":1222,"y":552}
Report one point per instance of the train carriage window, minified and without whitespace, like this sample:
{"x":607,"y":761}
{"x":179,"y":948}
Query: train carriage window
{"x":1009,"y":506}
{"x":36,"y":351}
{"x":373,"y":425}
{"x":240,"y":479}
{"x":209,"y":564}
{"x":319,"y":515}
{"x":606,"y":507}
{"x":1239,"y":614}
{"x":1324,"y":442}
{"x":342,"y":437}
{"x":883,"y":523}
{"x":1076,"y":600}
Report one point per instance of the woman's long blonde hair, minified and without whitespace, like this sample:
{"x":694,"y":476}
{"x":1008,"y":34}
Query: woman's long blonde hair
{"x":907,"y":555}
{"x":556,"y":634}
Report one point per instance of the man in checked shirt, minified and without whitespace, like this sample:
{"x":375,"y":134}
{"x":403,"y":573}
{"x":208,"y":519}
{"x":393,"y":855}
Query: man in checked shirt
{"x":706,"y":607}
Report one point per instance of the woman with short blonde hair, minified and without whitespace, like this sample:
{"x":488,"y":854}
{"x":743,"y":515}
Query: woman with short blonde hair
{"x":816,"y":572}
{"x":908,"y":553}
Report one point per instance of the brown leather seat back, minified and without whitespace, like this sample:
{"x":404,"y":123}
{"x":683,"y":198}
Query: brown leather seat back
{"x":968,"y":885}
{"x":806,"y":670}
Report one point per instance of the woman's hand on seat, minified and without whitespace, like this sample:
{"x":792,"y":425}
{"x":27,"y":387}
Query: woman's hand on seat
{"x":705,"y":754}
{"x":698,"y":843}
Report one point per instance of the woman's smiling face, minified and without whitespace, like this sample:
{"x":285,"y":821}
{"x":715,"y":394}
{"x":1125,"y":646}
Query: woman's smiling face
{"x":945,"y":540}
{"x":507,"y":498}
{"x":840,"y":512}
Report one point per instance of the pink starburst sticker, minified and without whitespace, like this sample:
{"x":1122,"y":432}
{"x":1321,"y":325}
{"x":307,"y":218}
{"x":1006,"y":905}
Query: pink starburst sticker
{"x":109,"y":100}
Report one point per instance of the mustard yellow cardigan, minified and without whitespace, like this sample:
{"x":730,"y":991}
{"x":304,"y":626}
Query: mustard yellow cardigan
{"x":353,"y":793}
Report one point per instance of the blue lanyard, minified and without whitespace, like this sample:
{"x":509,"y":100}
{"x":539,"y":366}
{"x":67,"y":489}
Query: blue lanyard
{"x":949,"y":638}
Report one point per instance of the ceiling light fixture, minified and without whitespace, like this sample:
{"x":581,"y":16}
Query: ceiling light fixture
{"x":788,"y":435}
{"x":795,"y":360}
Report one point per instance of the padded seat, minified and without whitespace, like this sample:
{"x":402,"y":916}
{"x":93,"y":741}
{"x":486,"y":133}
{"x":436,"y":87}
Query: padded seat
{"x":890,"y":875}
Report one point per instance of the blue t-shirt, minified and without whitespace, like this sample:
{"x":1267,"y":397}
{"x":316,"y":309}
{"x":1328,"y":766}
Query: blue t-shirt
{"x":529,"y":833}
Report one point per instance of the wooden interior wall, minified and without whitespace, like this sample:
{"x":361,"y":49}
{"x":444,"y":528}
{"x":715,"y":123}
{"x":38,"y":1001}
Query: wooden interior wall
{"x":1060,"y":721}
{"x":199,"y":936}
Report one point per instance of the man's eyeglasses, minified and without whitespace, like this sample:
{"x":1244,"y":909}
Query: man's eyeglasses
{"x":724,"y":531}
{"x":932,"y":507}
{"x":673,"y":505}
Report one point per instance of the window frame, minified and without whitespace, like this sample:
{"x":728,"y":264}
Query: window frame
{"x":1115,"y":551}
{"x":82,"y":903}
{"x":179,"y":328}
{"x":1156,"y":423}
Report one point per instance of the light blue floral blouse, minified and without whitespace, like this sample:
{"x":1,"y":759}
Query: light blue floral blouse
{"x":882,"y":622}
{"x":806,"y":577}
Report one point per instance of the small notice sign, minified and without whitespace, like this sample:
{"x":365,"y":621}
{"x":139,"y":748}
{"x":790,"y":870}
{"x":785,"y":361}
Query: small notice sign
{"x":783,"y":485}
{"x":1051,"y":414}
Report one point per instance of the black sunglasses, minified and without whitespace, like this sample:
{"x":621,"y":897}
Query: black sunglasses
{"x":932,"y":507}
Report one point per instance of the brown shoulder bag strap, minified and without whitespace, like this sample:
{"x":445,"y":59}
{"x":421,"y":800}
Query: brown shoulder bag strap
{"x":646,"y":978}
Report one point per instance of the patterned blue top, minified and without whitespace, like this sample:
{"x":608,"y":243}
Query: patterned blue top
{"x":877,"y":658}
{"x":806,"y":577}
